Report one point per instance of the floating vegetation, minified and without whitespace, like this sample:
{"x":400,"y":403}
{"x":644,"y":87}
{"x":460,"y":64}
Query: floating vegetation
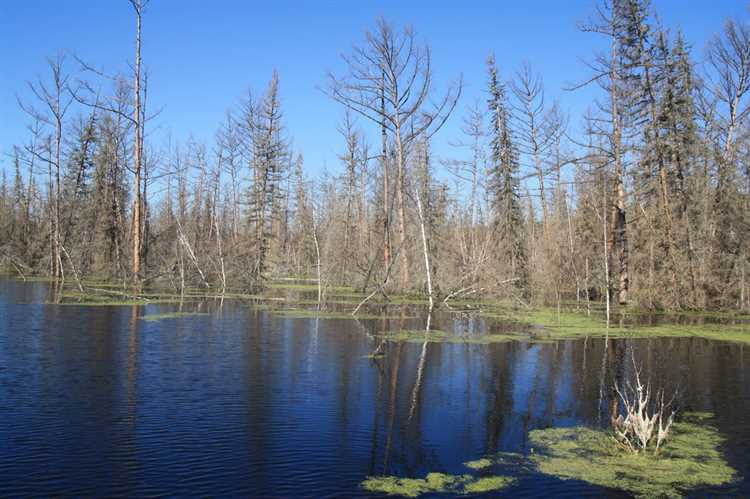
{"x":487,"y":484}
{"x":690,"y":458}
{"x":117,"y":303}
{"x":170,"y":315}
{"x":554,"y":325}
{"x":436,"y":483}
{"x":438,"y":336}
{"x":479,"y":464}
{"x":113,"y":297}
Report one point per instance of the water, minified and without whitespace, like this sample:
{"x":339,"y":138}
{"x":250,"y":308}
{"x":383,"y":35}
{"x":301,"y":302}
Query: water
{"x":94,"y":401}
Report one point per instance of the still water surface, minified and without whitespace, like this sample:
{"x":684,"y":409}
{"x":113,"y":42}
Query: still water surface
{"x":95,"y":401}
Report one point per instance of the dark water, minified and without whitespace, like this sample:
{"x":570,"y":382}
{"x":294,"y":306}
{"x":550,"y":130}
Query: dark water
{"x":95,"y":402}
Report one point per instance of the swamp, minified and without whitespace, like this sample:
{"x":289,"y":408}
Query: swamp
{"x":306,"y":249}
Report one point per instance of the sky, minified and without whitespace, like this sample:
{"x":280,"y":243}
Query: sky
{"x":203,"y":56}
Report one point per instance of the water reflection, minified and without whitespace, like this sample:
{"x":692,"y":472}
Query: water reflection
{"x":95,"y":401}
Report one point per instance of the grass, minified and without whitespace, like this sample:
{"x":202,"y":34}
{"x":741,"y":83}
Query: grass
{"x":170,"y":315}
{"x":436,"y":483}
{"x":690,"y":458}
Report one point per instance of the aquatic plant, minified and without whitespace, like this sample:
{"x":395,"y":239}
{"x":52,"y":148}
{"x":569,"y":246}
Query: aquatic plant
{"x":436,"y":483}
{"x":479,"y":464}
{"x":551,"y":324}
{"x":690,"y":458}
{"x":487,"y":484}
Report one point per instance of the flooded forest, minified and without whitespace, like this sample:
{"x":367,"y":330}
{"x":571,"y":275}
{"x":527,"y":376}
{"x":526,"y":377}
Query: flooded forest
{"x":552,"y":304}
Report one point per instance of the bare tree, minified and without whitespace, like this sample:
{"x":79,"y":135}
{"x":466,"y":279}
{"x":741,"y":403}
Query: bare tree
{"x":54,"y":99}
{"x":390,"y":82}
{"x":729,"y":87}
{"x":138,"y":122}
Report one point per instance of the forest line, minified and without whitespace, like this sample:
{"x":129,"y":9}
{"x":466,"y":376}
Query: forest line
{"x":644,"y":200}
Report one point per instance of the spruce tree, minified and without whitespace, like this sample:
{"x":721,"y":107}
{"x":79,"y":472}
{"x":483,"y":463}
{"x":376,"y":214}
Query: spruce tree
{"x":505,"y":185}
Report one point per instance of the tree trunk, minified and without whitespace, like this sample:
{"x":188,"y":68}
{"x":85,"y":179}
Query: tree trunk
{"x":137,"y":153}
{"x":400,"y":181}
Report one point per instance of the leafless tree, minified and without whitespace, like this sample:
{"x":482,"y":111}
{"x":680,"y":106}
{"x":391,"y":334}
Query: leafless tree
{"x":390,"y":82}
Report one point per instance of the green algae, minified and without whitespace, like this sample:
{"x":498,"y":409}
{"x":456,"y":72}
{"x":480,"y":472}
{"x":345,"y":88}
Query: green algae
{"x":691,"y":457}
{"x":117,"y":303}
{"x":479,"y":464}
{"x":488,"y":484}
{"x":171,"y":315}
{"x":114,"y":298}
{"x":552,"y":324}
{"x":508,"y":460}
{"x":436,"y":483}
{"x":409,"y":487}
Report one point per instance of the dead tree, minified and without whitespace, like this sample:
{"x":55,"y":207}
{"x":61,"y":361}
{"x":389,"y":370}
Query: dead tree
{"x":138,"y":121}
{"x":609,"y":74}
{"x":54,"y":99}
{"x":389,"y":81}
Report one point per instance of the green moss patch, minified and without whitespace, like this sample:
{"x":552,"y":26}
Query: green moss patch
{"x":479,"y":464}
{"x":690,"y":458}
{"x":551,"y":324}
{"x":487,"y":484}
{"x":436,"y":483}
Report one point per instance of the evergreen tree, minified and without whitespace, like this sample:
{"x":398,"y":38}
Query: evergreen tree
{"x":505,"y":186}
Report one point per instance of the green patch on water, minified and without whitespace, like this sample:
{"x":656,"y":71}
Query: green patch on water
{"x":438,"y":336}
{"x":487,"y":484}
{"x":505,"y":460}
{"x":436,"y":483}
{"x":97,"y":299}
{"x":117,"y":303}
{"x":171,"y":315}
{"x":553,"y":324}
{"x":479,"y":464}
{"x":691,"y":457}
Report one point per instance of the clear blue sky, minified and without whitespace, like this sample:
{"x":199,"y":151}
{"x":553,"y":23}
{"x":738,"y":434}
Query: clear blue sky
{"x":203,"y":55}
